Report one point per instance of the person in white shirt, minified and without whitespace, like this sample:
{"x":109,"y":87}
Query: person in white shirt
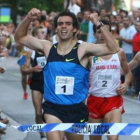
{"x":105,"y":102}
{"x":73,"y":7}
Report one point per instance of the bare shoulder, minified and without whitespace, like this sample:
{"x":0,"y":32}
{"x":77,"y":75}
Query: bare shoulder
{"x":137,"y":56}
{"x":46,"y":46}
{"x":46,"y":43}
{"x":121,"y":53}
{"x":86,"y":44}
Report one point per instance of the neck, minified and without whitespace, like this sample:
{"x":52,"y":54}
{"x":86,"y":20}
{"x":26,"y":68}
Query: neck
{"x":126,"y":27}
{"x":65,"y":46}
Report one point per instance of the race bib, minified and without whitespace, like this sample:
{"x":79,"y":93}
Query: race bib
{"x":41,"y":61}
{"x":104,"y":81}
{"x":64,"y":85}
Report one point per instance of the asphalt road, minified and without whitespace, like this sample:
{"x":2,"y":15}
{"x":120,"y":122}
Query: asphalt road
{"x":22,"y":111}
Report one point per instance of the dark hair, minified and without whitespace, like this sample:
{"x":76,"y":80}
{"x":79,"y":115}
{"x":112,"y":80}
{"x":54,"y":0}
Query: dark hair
{"x":42,"y":18}
{"x":105,"y":22}
{"x":35,"y":30}
{"x":67,"y":13}
{"x":137,"y":22}
{"x":114,"y":23}
{"x":124,"y":11}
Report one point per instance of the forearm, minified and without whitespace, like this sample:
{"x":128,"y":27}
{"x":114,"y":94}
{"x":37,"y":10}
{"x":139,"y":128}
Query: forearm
{"x":128,"y":78}
{"x":110,"y":40}
{"x":27,"y":70}
{"x":22,"y":29}
{"x":127,"y":40}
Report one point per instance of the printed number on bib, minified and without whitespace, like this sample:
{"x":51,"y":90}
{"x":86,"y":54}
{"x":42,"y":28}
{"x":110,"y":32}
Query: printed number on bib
{"x":64,"y":85}
{"x":41,"y":61}
{"x":104,"y":81}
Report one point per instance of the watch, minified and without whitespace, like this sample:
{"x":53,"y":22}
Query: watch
{"x":100,"y":25}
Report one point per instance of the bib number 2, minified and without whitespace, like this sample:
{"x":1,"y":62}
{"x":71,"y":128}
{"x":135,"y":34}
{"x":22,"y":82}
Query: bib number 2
{"x":104,"y":81}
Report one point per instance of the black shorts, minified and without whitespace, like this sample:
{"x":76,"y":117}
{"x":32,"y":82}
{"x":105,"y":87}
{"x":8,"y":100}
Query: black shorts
{"x":38,"y":86}
{"x":77,"y":113}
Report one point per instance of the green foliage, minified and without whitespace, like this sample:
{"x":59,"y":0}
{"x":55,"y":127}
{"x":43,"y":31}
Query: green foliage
{"x":117,"y":4}
{"x":48,"y":5}
{"x":25,"y":5}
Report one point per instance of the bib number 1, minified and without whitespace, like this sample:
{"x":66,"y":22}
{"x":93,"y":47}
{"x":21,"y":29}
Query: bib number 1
{"x":64,"y":85}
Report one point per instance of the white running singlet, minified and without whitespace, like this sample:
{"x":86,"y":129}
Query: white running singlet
{"x":105,"y":76}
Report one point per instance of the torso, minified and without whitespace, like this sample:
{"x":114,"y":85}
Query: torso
{"x":66,"y":80}
{"x":105,"y":75}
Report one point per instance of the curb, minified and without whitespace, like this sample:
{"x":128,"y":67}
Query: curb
{"x":11,"y":133}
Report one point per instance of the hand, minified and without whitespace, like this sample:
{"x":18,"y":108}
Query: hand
{"x":95,"y":18}
{"x":37,"y":69}
{"x":4,"y":52}
{"x":34,"y":13}
{"x":118,"y":37}
{"x":122,"y":89}
{"x":2,"y":70}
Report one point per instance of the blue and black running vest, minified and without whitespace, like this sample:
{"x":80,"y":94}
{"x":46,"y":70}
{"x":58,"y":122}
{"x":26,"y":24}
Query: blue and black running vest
{"x":66,"y":81}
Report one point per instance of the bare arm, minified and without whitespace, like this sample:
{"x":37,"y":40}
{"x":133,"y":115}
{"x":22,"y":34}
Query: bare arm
{"x":125,"y":40}
{"x":27,"y":40}
{"x":135,"y":61}
{"x":101,"y":49}
{"x":125,"y":68}
{"x":27,"y":68}
{"x":128,"y":76}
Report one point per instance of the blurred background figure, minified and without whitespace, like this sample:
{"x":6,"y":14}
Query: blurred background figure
{"x":72,"y":6}
{"x":84,"y":26}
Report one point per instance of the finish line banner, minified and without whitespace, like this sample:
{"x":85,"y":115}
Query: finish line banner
{"x":82,"y":128}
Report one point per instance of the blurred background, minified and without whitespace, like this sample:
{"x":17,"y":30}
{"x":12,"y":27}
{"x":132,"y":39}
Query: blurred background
{"x":15,"y":10}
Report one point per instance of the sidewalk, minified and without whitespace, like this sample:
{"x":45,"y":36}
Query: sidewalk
{"x":12,"y":133}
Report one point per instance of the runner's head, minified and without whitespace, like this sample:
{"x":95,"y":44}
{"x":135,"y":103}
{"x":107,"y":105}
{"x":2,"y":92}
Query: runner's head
{"x":66,"y":25}
{"x":98,"y":34}
{"x":75,"y":22}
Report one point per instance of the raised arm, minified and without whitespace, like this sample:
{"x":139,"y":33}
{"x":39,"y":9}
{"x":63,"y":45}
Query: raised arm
{"x":21,"y":34}
{"x":109,"y":47}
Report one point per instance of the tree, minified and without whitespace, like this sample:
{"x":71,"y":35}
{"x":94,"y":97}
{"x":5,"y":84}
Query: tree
{"x":23,"y":6}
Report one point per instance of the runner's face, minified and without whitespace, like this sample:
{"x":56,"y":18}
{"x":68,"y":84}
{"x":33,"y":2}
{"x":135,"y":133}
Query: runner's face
{"x":99,"y":35}
{"x":41,"y":34}
{"x":65,"y":27}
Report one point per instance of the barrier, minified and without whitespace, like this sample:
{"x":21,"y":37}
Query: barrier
{"x":82,"y":128}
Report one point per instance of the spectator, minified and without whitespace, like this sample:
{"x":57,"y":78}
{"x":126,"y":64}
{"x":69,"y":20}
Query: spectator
{"x":73,"y":7}
{"x":135,"y":16}
{"x":126,"y":36}
{"x":84,"y":26}
{"x":119,"y":18}
{"x":115,"y":31}
{"x":136,"y":49}
{"x":80,"y":17}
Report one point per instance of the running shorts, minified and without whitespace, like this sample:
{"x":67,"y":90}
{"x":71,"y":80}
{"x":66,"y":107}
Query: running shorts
{"x":77,"y":113}
{"x":98,"y":107}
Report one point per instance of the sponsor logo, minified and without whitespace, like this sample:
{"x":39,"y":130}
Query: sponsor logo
{"x":82,"y":120}
{"x":67,"y":60}
{"x":96,"y":59}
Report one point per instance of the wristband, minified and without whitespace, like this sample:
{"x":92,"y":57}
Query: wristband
{"x":100,"y":25}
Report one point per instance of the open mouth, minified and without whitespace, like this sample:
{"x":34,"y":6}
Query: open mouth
{"x":63,"y":32}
